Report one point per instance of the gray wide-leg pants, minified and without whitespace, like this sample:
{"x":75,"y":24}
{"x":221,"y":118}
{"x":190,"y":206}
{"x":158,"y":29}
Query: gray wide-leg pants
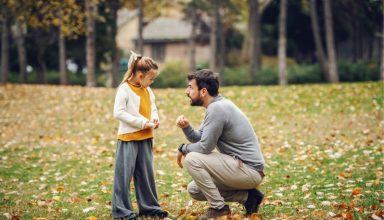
{"x":219,"y":178}
{"x":134,"y":159}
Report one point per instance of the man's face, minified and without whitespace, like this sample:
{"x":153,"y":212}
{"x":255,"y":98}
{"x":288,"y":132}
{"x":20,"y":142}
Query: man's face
{"x":193,"y":93}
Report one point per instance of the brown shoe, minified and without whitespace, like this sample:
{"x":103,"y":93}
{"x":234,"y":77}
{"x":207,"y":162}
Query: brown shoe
{"x":215,"y":213}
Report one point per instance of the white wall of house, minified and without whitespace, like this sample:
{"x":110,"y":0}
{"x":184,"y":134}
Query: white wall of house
{"x":125,"y":34}
{"x":179,"y":51}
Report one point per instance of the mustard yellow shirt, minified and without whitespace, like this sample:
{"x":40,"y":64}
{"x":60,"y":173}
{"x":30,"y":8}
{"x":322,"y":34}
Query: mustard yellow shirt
{"x":145,"y":110}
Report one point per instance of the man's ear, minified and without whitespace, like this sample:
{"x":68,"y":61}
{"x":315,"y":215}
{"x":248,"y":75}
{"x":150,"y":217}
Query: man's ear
{"x":204,"y":92}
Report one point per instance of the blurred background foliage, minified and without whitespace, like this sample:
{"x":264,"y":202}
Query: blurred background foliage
{"x":357,"y":33}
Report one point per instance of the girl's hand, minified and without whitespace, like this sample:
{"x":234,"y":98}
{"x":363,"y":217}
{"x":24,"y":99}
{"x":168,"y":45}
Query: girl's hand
{"x":149,"y":124}
{"x":156,"y":123}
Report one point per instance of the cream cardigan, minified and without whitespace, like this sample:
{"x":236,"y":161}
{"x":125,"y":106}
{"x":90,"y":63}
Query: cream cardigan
{"x":126,"y":110}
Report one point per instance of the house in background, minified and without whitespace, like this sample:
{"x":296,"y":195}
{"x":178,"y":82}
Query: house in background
{"x":167,"y":39}
{"x":164,"y":38}
{"x":127,"y":27}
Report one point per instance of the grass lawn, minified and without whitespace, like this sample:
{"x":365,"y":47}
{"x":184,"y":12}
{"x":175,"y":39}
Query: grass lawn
{"x":323,"y":146}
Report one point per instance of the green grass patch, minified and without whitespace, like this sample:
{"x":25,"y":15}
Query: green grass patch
{"x":322,"y":145}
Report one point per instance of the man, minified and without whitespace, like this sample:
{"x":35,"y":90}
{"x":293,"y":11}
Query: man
{"x":233,"y":173}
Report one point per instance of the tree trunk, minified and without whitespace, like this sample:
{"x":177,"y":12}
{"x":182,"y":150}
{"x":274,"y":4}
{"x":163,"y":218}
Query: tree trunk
{"x":115,"y":50}
{"x":62,"y":59}
{"x":91,"y":11}
{"x":332,"y":62}
{"x":116,"y":68}
{"x":21,"y":52}
{"x":221,"y":47}
{"x":192,"y":41}
{"x":41,"y":66}
{"x":382,"y":52}
{"x":213,"y":40}
{"x":246,"y":48}
{"x":42,"y":39}
{"x":282,"y":43}
{"x":140,"y":43}
{"x":5,"y":50}
{"x":318,"y":44}
{"x":354,"y":40}
{"x":255,"y":40}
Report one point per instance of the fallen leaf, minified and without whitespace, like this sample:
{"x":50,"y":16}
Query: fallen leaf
{"x":256,"y":216}
{"x":89,"y":209}
{"x":356,"y":191}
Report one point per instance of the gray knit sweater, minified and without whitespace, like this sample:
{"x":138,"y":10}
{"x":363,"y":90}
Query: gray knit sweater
{"x":227,"y":128}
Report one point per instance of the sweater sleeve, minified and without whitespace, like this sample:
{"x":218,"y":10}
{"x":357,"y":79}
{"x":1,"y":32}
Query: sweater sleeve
{"x":120,"y":110}
{"x":211,"y":131}
{"x":192,"y":135}
{"x":154,"y":112}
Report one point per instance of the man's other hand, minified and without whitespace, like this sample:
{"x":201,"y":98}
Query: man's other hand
{"x":179,"y":159}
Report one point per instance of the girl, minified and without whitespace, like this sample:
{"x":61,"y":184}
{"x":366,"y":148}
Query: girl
{"x":137,"y":114}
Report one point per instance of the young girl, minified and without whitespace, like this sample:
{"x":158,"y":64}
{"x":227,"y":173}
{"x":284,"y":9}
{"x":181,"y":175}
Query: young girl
{"x":137,"y":114}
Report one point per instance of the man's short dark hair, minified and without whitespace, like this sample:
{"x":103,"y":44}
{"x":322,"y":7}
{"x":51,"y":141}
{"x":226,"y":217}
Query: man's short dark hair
{"x":206,"y":78}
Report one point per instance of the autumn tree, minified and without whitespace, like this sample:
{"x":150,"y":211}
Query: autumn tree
{"x":330,"y":42}
{"x":4,"y":18}
{"x":91,"y":13}
{"x":69,"y":19}
{"x":326,"y":59}
{"x":320,"y":53}
{"x":221,"y":13}
{"x":192,"y":10}
{"x":252,"y":51}
{"x":382,"y":52}
{"x":22,"y":53}
{"x":140,"y":43}
{"x":282,"y":43}
{"x":21,"y":13}
{"x":45,"y":22}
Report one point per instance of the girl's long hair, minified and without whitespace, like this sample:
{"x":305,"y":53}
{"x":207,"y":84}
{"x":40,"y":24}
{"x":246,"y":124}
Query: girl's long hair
{"x":138,"y":63}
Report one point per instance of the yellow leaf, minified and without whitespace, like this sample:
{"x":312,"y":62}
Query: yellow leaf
{"x":356,"y":191}
{"x":255,"y":216}
{"x":56,"y":21}
{"x":60,"y":189}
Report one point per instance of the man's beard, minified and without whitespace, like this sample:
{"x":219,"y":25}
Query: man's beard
{"x":196,"y":102}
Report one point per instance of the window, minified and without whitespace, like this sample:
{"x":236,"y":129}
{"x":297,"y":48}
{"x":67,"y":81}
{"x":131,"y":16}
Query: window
{"x":158,"y":51}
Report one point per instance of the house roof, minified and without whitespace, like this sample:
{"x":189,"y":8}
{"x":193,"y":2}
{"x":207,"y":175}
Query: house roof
{"x":164,"y":28}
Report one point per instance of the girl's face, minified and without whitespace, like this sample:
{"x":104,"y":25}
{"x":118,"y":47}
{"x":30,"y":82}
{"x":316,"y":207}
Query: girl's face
{"x":146,"y":80}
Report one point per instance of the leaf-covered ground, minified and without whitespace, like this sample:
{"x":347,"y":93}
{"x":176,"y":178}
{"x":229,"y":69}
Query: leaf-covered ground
{"x":323,"y":146}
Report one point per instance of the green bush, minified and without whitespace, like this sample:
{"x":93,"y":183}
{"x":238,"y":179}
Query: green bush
{"x":267,"y":76}
{"x":173,"y":74}
{"x":241,"y":76}
{"x":304,"y":74}
{"x":236,"y":76}
{"x":52,"y":77}
{"x":359,"y":71}
{"x":203,"y":65}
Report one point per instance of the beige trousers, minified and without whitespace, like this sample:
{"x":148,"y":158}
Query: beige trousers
{"x":219,"y":178}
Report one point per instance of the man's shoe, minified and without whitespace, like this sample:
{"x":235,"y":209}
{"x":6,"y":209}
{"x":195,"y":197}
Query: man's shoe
{"x":215,"y":213}
{"x":255,"y":197}
{"x":125,"y":218}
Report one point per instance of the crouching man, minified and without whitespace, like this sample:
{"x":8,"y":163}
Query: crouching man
{"x":231,"y":174}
